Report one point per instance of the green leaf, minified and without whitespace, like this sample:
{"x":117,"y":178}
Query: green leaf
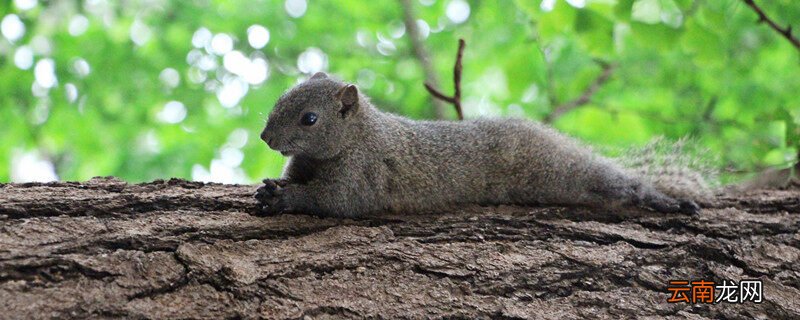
{"x":656,"y":36}
{"x":704,"y":44}
{"x":595,"y":32}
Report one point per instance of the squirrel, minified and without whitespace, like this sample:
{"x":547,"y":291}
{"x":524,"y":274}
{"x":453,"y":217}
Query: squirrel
{"x":349,"y":159}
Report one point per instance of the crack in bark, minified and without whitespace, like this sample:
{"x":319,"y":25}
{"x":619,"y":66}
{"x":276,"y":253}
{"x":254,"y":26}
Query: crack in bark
{"x":50,"y":271}
{"x":183,"y":281}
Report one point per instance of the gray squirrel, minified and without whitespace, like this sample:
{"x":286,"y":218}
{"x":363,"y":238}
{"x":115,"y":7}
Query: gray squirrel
{"x":349,"y":159}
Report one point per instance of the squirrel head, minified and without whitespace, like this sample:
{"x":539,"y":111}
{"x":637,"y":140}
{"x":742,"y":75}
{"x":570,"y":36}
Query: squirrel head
{"x":313,"y":118}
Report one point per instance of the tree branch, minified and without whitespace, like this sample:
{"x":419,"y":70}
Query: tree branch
{"x":762,"y":17}
{"x":456,"y":98}
{"x":421,"y":53}
{"x":586,"y":96}
{"x":438,"y":94}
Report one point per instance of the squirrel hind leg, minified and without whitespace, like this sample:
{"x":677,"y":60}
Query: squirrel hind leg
{"x":689,"y":207}
{"x":665,"y":204}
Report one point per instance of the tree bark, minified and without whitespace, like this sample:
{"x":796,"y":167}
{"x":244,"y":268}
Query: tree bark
{"x":178,"y":249}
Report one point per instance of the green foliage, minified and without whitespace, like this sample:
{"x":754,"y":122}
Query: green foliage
{"x":705,"y":69}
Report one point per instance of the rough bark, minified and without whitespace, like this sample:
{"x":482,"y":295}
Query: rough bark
{"x":177,"y":249}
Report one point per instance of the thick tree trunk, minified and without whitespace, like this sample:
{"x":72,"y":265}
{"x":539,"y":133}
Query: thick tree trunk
{"x":177,"y":249}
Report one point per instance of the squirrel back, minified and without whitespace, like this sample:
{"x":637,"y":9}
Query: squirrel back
{"x":347,"y":158}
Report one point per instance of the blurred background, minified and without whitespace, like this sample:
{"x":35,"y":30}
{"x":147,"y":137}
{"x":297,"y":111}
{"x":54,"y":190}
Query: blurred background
{"x":147,"y":89}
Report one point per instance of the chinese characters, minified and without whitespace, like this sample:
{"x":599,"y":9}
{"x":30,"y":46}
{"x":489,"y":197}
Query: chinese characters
{"x":703,"y":291}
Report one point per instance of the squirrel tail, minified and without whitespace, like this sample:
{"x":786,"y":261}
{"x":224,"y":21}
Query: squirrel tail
{"x":673,"y":169}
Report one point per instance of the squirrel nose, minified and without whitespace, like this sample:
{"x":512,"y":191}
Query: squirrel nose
{"x":266,"y":138}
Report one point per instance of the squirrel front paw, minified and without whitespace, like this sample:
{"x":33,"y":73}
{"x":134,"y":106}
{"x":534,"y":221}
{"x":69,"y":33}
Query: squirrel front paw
{"x":270,"y":197}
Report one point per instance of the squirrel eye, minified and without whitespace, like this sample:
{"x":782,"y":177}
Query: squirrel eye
{"x":309,"y":118}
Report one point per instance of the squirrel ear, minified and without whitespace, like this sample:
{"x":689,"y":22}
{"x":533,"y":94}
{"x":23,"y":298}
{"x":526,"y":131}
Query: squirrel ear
{"x":349,"y":98}
{"x":319,"y":75}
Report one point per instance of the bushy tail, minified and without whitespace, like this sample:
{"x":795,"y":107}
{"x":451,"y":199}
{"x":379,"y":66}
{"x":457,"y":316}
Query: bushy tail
{"x":677,"y":169}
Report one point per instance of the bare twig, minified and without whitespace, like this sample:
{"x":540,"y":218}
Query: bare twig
{"x":421,"y":53}
{"x":763,"y":18}
{"x":587,"y":94}
{"x":438,"y":94}
{"x":456,"y":98}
